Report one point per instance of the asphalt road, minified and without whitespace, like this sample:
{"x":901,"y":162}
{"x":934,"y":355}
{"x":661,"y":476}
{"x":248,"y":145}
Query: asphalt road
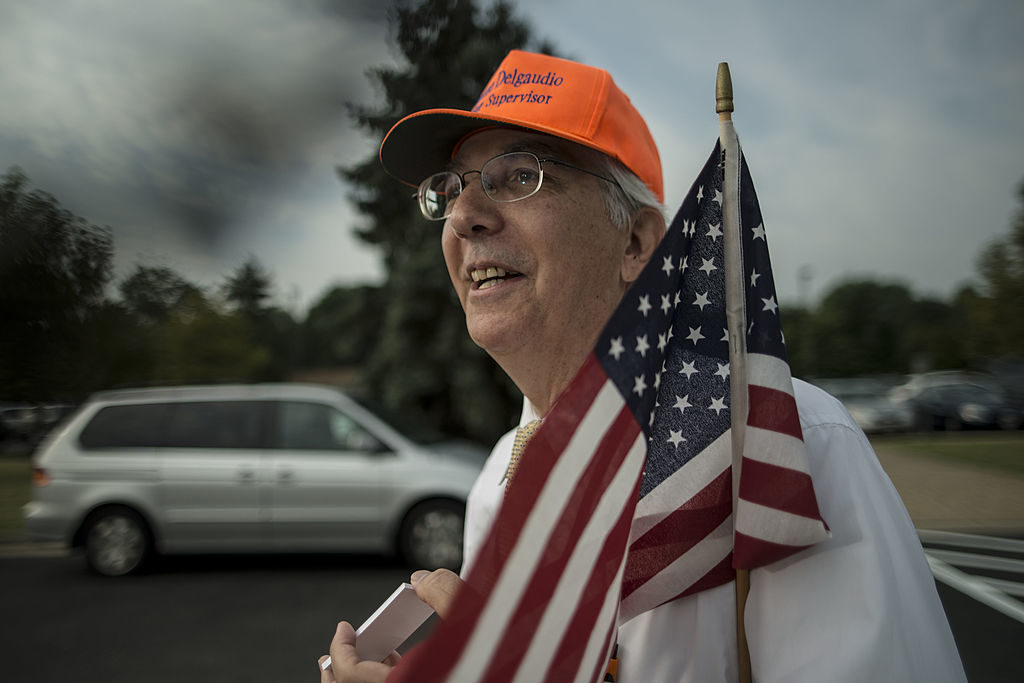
{"x":252,"y":619}
{"x":266,"y":619}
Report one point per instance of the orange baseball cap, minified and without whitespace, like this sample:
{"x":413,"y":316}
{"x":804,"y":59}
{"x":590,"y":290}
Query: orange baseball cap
{"x":532,"y":92}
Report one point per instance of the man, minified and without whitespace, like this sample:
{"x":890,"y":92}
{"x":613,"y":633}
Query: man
{"x":550,"y":192}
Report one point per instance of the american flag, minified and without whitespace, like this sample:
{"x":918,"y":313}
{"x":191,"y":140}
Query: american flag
{"x":710,"y":399}
{"x":624,"y":498}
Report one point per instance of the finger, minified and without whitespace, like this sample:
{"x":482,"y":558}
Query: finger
{"x":437,"y":589}
{"x":345,"y":662}
{"x":343,"y":648}
{"x":326,"y":675}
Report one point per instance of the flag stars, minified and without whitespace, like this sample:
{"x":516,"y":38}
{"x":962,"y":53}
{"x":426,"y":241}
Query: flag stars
{"x":759,"y":232}
{"x":700,"y":193}
{"x":708,"y":266}
{"x":682,"y":403}
{"x":717,"y":405}
{"x":723,"y":370}
{"x":769,"y":304}
{"x":666,"y":303}
{"x":701,"y":301}
{"x":725,"y":334}
{"x":718,"y":197}
{"x":645,"y":304}
{"x":684,"y":264}
{"x":688,"y":369}
{"x":695,"y":335}
{"x":715,"y":231}
{"x":667,"y":265}
{"x":662,"y":341}
{"x":639,"y":385}
{"x":754,"y":275}
{"x":642,"y":346}
{"x":617,"y":349}
{"x":676,"y":437}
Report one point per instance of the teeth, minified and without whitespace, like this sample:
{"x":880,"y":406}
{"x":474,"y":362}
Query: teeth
{"x":484,"y":274}
{"x":488,"y":284}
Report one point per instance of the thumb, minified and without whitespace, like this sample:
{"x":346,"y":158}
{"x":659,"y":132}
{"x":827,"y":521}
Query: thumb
{"x":437,"y":589}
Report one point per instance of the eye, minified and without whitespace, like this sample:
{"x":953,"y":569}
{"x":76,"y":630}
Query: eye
{"x":524,"y":176}
{"x":511,"y":176}
{"x":452,"y":186}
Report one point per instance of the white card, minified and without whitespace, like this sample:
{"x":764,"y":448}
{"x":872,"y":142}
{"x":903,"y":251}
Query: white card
{"x":392,"y":623}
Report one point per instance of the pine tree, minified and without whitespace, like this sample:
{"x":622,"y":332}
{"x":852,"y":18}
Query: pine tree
{"x":424,"y":363}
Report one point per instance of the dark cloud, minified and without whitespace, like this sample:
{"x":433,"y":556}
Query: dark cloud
{"x":360,"y":10}
{"x":202,"y":127}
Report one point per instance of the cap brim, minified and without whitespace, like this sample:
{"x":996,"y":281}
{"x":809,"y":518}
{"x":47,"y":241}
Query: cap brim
{"x":422,"y":144}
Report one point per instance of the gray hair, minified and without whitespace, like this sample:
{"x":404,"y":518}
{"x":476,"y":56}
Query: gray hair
{"x":624,"y":201}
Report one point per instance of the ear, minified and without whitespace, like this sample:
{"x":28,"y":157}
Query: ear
{"x":645,"y":233}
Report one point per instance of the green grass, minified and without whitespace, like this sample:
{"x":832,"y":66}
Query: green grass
{"x":990,"y":450}
{"x":15,"y":491}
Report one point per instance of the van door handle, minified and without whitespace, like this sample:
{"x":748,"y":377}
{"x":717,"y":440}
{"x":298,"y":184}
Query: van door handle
{"x":285,"y":476}
{"x":247,"y":476}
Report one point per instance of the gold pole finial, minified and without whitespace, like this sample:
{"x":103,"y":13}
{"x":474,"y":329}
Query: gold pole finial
{"x":723,"y":91}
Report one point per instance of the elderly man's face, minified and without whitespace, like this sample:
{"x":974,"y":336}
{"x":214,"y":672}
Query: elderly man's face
{"x":560,"y":254}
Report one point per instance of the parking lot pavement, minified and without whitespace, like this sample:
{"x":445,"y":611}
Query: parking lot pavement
{"x":946,"y":496}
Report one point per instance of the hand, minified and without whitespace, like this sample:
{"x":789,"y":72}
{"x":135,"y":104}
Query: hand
{"x":346,"y":667}
{"x":437,"y":589}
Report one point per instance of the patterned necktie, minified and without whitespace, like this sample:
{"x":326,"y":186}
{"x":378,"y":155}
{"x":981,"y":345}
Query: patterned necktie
{"x":523,"y":436}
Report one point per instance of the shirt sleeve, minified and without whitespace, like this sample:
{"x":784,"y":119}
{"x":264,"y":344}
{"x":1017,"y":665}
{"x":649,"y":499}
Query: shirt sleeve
{"x":861,"y":606}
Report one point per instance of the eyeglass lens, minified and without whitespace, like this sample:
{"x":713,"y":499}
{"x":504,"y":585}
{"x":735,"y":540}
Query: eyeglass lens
{"x":505,"y":178}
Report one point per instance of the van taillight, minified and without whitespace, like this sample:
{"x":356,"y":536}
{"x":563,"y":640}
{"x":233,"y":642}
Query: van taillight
{"x":40,"y":477}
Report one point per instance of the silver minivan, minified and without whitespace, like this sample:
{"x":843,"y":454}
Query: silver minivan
{"x":245,"y":468}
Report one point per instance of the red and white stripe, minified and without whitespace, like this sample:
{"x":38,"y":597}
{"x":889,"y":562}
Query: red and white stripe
{"x":542,"y":597}
{"x":776,"y":512}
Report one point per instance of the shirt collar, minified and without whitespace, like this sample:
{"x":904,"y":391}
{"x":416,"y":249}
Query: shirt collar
{"x":529,"y":412}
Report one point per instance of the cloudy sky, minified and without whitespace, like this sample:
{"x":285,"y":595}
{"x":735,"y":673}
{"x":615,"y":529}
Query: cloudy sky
{"x":885,"y":139}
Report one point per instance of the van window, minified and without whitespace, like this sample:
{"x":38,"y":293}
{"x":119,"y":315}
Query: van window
{"x":216,"y":424}
{"x":316,"y":426}
{"x":129,"y":426}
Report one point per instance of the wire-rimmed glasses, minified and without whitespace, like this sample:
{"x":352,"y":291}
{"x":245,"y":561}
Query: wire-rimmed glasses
{"x":505,"y":178}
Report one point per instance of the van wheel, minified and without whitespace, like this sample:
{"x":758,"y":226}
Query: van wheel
{"x":431,"y":535}
{"x":117,"y":542}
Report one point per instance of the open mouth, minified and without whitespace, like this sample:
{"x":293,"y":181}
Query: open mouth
{"x":485,"y":278}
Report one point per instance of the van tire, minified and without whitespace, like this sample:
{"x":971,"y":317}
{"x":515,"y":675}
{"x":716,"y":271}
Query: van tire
{"x":431,"y":535}
{"x":117,"y":541}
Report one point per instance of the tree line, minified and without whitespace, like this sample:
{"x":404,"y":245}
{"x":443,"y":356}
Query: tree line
{"x":403,"y":342}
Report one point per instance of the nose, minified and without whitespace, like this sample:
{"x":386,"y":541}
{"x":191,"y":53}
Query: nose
{"x":473,"y":212}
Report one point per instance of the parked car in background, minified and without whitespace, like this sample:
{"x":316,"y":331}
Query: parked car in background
{"x":28,"y":423}
{"x":963,"y":405}
{"x":869,"y":404}
{"x":918,"y":382}
{"x":17,"y":421}
{"x":245,"y":468}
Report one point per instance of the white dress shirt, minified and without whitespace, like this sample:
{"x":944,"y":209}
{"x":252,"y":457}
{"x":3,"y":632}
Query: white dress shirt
{"x":861,"y":606}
